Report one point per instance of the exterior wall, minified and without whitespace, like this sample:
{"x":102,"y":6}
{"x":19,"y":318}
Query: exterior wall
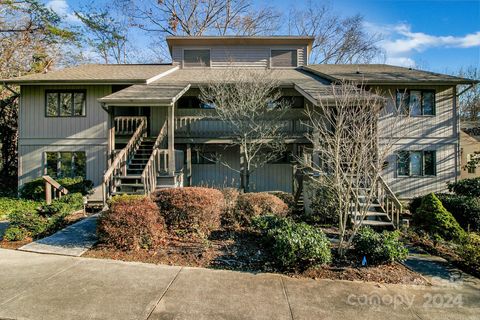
{"x":271,"y":177}
{"x":245,"y":56}
{"x":439,"y":133}
{"x":39,"y":134}
{"x":468,"y":145}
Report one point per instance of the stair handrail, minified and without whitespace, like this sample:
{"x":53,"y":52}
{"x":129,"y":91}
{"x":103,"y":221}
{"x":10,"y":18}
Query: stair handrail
{"x":119,"y":163}
{"x":53,"y":187}
{"x":392,"y":206}
{"x":149,"y":174}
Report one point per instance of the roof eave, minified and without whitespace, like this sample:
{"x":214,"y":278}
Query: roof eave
{"x":79,"y":82}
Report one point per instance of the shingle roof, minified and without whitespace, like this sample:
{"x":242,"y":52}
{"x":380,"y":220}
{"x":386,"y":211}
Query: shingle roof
{"x":97,"y":73}
{"x":170,"y":87}
{"x":382,"y":74}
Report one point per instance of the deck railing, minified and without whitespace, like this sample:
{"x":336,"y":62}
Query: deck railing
{"x":119,"y":164}
{"x":198,"y":126}
{"x":389,"y":202}
{"x":126,"y":125}
{"x":53,"y":189}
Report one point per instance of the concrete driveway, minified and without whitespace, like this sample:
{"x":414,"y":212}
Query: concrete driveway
{"x":40,"y":286}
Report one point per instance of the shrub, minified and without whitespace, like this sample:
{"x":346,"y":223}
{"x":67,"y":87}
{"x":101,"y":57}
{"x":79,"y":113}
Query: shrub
{"x":432,"y":217}
{"x":286,"y":197}
{"x":470,"y":251}
{"x":132,"y":224}
{"x":251,"y":205}
{"x":324,"y":207}
{"x":294,"y":245}
{"x":466,"y":187}
{"x":14,"y":234}
{"x":8,"y":205}
{"x":63,"y":206}
{"x":190,"y":210}
{"x":379,"y":248}
{"x":29,"y":221}
{"x":35,"y":189}
{"x":230,"y":196}
{"x":124,"y":198}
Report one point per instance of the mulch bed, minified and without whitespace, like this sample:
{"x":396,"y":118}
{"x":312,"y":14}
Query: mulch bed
{"x":242,"y":251}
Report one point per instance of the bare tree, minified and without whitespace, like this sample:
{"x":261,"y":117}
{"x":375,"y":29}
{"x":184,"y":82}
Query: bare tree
{"x":469,"y":101}
{"x":337,"y":39}
{"x":349,"y":153}
{"x":249,"y":102}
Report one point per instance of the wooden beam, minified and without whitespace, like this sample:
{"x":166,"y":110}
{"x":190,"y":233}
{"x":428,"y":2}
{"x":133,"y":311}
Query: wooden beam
{"x":189,"y":164}
{"x":171,"y":140}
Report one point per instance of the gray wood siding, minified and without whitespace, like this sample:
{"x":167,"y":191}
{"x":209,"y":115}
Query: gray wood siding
{"x":439,"y":133}
{"x":245,"y":56}
{"x":271,"y":177}
{"x":158,"y":116}
{"x":31,"y":160}
{"x":39,"y":134}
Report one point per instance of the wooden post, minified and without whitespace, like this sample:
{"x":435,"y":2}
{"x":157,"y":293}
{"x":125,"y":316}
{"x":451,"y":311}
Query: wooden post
{"x":111,"y":137}
{"x":189,"y":164}
{"x":242,"y":168}
{"x":48,"y":192}
{"x":171,"y":140}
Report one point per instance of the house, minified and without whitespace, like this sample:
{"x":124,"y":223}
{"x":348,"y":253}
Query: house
{"x":469,"y":149}
{"x":134,"y":128}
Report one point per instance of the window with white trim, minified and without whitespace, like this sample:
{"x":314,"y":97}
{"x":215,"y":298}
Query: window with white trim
{"x":416,"y":163}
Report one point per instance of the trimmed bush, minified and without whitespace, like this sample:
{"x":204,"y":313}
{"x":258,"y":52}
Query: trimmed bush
{"x":132,"y":224}
{"x":250,"y":205}
{"x":35,"y":189}
{"x":14,"y":234}
{"x":124,"y":198}
{"x":324,"y":207}
{"x":286,"y":197}
{"x":294,"y":245}
{"x":432,"y":217}
{"x":191,"y":210}
{"x":470,"y":251}
{"x":466,"y":187}
{"x":379,"y":248}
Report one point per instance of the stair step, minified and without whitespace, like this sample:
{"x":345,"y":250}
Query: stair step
{"x":374,"y":223}
{"x":133,"y":185}
{"x":117,"y":193}
{"x":132,"y":176}
{"x":373,"y":214}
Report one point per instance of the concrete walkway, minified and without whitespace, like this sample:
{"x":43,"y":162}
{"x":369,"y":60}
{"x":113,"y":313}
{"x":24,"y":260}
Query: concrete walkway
{"x":38,"y":286}
{"x":74,"y":240}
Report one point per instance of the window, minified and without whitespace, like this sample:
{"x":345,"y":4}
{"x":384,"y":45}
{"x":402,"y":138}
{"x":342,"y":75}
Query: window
{"x":192,"y":102}
{"x":203,"y":157}
{"x":416,"y":163}
{"x":472,"y":160}
{"x":416,"y":102}
{"x":66,"y":164}
{"x":295,"y":102}
{"x":283,"y":58}
{"x":196,"y":58}
{"x":65,"y":103}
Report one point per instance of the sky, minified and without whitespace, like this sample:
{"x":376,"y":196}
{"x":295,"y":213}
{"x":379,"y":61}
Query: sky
{"x":435,"y":35}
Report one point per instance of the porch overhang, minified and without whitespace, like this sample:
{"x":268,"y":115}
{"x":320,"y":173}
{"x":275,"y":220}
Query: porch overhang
{"x":146,"y":95}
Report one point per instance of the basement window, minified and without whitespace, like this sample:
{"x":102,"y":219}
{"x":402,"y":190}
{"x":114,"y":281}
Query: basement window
{"x":65,"y":103}
{"x":196,"y":58}
{"x":416,"y":163}
{"x":416,"y":102}
{"x":66,"y":164}
{"x":283,"y":58}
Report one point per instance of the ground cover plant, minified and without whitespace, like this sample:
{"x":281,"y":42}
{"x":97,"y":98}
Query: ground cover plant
{"x":11,"y":204}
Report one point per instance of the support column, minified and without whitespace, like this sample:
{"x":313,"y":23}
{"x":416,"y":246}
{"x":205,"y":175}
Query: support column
{"x":316,"y":147}
{"x":189,"y":164}
{"x":242,"y":168}
{"x":171,"y":140}
{"x":111,"y":136}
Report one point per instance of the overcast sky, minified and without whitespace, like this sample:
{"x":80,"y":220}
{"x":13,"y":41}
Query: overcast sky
{"x":437,"y":35}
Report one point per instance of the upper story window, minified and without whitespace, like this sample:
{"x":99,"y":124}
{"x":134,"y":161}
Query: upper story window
{"x":416,"y":163}
{"x":416,"y":102}
{"x":196,"y":58}
{"x":65,"y":103}
{"x":283,"y":58}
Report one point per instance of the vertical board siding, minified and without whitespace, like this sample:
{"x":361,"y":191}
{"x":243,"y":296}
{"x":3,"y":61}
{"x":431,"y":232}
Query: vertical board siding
{"x":39,"y":134}
{"x":438,"y":133}
{"x":271,"y":177}
{"x":245,"y":56}
{"x":158,"y":116}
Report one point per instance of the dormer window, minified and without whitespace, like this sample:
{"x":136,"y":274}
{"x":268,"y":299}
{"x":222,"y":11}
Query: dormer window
{"x":283,"y":58}
{"x":196,"y":58}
